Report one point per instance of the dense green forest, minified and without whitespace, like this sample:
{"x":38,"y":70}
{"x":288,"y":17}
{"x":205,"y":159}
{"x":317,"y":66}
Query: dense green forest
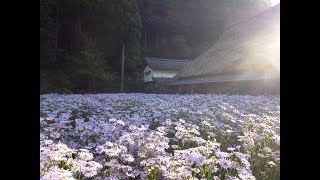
{"x":81,"y":41}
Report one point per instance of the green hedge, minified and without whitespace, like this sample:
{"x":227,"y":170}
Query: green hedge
{"x":86,"y":85}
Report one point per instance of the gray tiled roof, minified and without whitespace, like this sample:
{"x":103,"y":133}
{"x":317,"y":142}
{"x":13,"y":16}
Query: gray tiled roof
{"x":224,"y":78}
{"x":161,"y":80}
{"x":166,"y":64}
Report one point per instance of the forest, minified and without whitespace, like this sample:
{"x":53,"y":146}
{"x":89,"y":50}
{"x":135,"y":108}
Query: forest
{"x":81,"y":41}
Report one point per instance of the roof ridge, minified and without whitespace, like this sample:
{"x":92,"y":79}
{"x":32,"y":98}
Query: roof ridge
{"x":165,"y":59}
{"x":251,"y":17}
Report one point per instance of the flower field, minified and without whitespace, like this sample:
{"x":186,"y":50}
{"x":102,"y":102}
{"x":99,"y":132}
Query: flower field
{"x":153,"y":136}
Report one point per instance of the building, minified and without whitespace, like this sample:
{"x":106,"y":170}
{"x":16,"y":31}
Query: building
{"x":246,"y":55}
{"x":162,"y":70}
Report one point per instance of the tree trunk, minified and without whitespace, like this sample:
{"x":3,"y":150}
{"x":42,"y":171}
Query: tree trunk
{"x":145,"y":39}
{"x":68,"y":17}
{"x":157,"y":40}
{"x":122,"y":68}
{"x":75,"y":49}
{"x":61,"y":40}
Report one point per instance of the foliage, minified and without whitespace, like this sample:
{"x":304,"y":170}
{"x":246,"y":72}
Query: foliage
{"x":81,"y":40}
{"x":80,"y":43}
{"x":191,"y":26}
{"x":154,"y":88}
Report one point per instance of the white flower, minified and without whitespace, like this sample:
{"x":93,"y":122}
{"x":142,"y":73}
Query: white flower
{"x":133,"y":173}
{"x":222,"y":154}
{"x":200,"y":160}
{"x":231,"y":149}
{"x":85,"y":156}
{"x":112,"y":120}
{"x":267,"y":149}
{"x":261,"y":155}
{"x":99,"y":149}
{"x":89,"y":172}
{"x":229,"y":131}
{"x":120,"y":122}
{"x":55,"y":135}
{"x":189,"y":160}
{"x":127,"y":134}
{"x":215,"y":169}
{"x":128,"y":157}
{"x":225,"y":163}
{"x":271,"y":163}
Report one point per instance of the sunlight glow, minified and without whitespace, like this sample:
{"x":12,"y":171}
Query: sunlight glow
{"x":274,"y":2}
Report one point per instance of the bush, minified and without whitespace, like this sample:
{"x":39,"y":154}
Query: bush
{"x":155,"y":88}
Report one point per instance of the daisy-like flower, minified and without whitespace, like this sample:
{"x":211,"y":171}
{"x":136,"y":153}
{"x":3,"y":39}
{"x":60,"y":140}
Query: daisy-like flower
{"x":200,"y":160}
{"x":128,"y":157}
{"x":245,"y":162}
{"x":271,"y":163}
{"x":161,"y":128}
{"x":267,"y":149}
{"x":150,"y":145}
{"x":89,"y":172}
{"x":111,"y":178}
{"x":261,"y":155}
{"x":47,"y":142}
{"x":225,"y":163}
{"x":133,"y":173}
{"x":56,"y":173}
{"x":222,"y":154}
{"x":232,"y":178}
{"x":215,"y":169}
{"x":277,"y":139}
{"x":246,"y":176}
{"x":182,"y":121}
{"x":120,"y":122}
{"x":85,"y":156}
{"x":49,"y":118}
{"x":113,"y":164}
{"x":185,"y":172}
{"x":229,"y":131}
{"x":111,"y":152}
{"x":243,"y":176}
{"x":112,"y":120}
{"x":55,"y":135}
{"x":94,"y":165}
{"x":66,"y":173}
{"x":90,"y":127}
{"x":70,"y":162}
{"x":168,"y":122}
{"x":189,"y":160}
{"x":99,"y":149}
{"x":109,"y":144}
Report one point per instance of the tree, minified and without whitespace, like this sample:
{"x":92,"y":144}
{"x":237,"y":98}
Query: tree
{"x":81,"y":41}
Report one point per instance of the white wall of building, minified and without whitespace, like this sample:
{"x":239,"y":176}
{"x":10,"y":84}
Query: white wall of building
{"x":148,"y":73}
{"x":164,"y":73}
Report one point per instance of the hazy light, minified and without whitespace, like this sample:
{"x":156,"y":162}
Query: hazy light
{"x":274,"y":2}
